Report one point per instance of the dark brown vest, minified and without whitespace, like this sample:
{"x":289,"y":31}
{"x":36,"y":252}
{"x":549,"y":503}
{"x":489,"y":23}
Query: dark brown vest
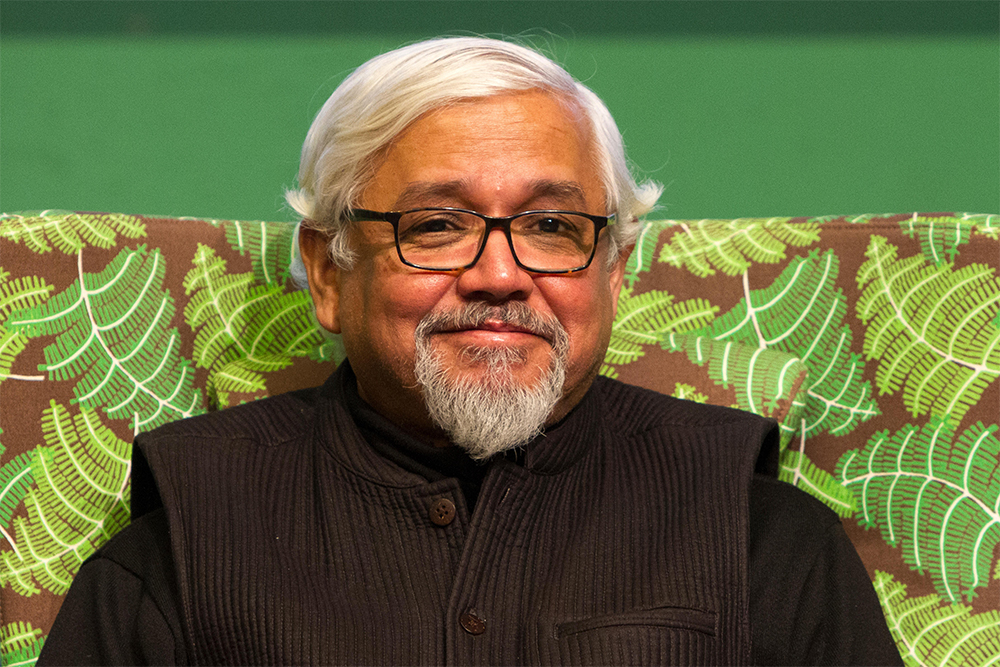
{"x":622,"y":540}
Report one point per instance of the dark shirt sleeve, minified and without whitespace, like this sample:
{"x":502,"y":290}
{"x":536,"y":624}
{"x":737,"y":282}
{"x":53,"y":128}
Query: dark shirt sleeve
{"x":811,"y":601}
{"x":122,"y":608}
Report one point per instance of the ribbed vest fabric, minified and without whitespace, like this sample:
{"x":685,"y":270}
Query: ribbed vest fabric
{"x":622,"y":540}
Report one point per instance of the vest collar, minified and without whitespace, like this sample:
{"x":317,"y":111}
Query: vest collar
{"x":556,"y":449}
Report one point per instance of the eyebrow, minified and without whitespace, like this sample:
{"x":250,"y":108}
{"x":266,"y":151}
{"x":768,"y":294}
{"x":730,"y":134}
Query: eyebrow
{"x":422,"y":193}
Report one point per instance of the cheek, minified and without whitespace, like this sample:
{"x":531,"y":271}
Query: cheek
{"x":379,"y":318}
{"x":391,"y":302}
{"x":585,"y":309}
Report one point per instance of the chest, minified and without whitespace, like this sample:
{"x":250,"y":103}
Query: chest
{"x":596,"y":566}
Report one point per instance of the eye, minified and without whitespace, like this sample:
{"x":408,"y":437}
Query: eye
{"x":550,"y":225}
{"x":431,"y":226}
{"x":544,"y":224}
{"x":422,"y":223}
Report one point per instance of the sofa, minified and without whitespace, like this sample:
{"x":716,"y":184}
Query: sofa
{"x":874,"y":341}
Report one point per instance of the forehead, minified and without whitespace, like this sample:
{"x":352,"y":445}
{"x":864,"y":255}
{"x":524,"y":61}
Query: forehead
{"x":517,"y":149}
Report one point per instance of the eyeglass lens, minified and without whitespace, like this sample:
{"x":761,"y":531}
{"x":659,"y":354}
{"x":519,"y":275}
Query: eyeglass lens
{"x":545,"y":241}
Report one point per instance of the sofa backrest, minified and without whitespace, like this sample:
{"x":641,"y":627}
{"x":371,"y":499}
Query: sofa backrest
{"x":873,"y":340}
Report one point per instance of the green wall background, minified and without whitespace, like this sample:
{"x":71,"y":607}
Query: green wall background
{"x":739,"y":108}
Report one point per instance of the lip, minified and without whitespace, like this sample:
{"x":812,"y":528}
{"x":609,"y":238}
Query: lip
{"x":493,"y":332}
{"x":494,"y":327}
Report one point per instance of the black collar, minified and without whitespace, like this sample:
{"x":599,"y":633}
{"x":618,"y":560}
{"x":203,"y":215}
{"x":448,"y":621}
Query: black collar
{"x":416,"y":462}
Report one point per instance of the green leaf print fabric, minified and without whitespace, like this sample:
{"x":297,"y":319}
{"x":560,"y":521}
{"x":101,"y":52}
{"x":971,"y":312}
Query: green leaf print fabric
{"x":928,"y":632}
{"x":15,"y":294}
{"x":932,"y":327}
{"x":732,"y":246}
{"x":69,"y":232}
{"x":802,"y":313}
{"x":21,"y":644}
{"x":113,"y":336}
{"x":934,"y":495}
{"x":244,"y":328}
{"x":874,"y":340}
{"x":80,"y":500}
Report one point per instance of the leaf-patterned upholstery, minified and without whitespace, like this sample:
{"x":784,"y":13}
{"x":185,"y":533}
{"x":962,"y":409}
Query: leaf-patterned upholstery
{"x":874,"y":340}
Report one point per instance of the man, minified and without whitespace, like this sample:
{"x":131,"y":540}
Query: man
{"x":464,"y":489}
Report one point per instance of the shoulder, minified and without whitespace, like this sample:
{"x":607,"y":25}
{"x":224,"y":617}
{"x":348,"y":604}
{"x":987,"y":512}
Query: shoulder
{"x":142,"y":549}
{"x":632,"y":412}
{"x":790,"y":528}
{"x":642,"y":408}
{"x":198,"y":452}
{"x":777,"y":508}
{"x":811,"y":599}
{"x":268,"y":421}
{"x":123,"y":606}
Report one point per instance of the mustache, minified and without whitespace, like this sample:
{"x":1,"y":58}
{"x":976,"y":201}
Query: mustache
{"x":511,"y":313}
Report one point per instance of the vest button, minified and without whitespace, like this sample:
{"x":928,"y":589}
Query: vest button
{"x":472,"y":623}
{"x":442,"y":512}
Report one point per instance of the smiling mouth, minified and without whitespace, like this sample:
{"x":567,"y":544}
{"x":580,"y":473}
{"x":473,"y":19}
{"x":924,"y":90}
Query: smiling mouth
{"x":508,"y":318}
{"x":489,"y":326}
{"x":495,"y":326}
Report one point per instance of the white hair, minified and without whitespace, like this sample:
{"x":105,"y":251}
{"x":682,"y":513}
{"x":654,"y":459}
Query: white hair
{"x":382,"y":97}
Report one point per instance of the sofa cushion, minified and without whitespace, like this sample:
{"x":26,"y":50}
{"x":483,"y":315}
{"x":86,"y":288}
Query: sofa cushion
{"x":873,"y":340}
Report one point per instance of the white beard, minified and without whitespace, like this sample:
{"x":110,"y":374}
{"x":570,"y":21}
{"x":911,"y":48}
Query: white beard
{"x":493,"y":412}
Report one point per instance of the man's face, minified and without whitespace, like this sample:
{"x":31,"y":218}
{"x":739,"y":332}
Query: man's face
{"x":497,"y":156}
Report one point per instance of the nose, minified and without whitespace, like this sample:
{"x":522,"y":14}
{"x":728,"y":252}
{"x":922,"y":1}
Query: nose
{"x":496,"y":277}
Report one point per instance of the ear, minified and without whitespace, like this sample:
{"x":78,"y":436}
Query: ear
{"x":324,"y":278}
{"x":616,"y":276}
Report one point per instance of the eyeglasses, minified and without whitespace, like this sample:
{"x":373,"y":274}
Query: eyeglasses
{"x":451,"y":239}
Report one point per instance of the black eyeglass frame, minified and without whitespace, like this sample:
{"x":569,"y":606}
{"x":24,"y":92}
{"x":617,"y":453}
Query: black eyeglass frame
{"x":393,"y":218}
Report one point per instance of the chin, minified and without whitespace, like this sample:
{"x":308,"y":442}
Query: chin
{"x":495,"y":400}
{"x":490,"y":365}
